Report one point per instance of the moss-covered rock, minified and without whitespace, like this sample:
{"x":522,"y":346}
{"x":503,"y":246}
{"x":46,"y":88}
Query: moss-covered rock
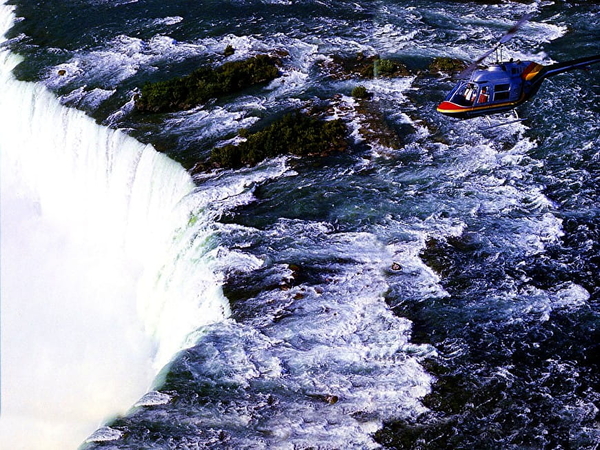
{"x":360,"y":92}
{"x":229,"y":50}
{"x":374,"y":128}
{"x":365,"y":67}
{"x":389,"y":68}
{"x":446,"y":65}
{"x":296,"y":134}
{"x":206,"y":83}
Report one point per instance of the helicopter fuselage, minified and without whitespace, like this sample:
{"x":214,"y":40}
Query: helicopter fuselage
{"x":497,"y":88}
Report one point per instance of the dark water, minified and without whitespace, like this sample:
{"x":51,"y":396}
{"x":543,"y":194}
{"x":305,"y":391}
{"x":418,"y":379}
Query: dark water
{"x":439,"y":292}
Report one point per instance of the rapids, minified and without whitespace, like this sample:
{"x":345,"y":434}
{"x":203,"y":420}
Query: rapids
{"x":435,"y":290}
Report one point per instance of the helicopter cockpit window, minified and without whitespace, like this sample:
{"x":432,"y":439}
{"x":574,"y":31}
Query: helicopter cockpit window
{"x":465,"y":94}
{"x":501,"y":92}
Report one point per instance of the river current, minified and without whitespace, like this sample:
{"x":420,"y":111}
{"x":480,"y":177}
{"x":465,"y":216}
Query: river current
{"x":433,"y":290}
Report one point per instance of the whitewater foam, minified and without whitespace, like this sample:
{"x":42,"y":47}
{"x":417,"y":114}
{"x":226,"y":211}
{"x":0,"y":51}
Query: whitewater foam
{"x":330,"y":350}
{"x":121,"y":58}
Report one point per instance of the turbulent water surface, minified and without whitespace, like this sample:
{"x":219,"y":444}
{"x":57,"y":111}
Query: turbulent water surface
{"x":434,"y":286}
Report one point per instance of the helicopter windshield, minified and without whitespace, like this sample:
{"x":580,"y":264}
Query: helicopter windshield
{"x":464,"y":94}
{"x":469,"y":94}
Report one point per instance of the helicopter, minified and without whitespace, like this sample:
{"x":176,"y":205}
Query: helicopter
{"x":503,"y":85}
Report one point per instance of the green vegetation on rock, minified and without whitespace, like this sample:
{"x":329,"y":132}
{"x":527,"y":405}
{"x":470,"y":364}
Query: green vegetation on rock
{"x":206,"y":83}
{"x":360,"y":92}
{"x":366,"y":67}
{"x":296,"y":134}
{"x":447,"y":65}
{"x":388,"y":68}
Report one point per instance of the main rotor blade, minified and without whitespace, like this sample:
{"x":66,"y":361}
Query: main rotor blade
{"x":507,"y":37}
{"x":471,"y":67}
{"x":513,"y":30}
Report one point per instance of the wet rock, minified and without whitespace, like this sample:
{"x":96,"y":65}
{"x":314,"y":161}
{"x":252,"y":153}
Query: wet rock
{"x":229,"y":50}
{"x":445,"y":65}
{"x":206,"y":83}
{"x":344,"y":68}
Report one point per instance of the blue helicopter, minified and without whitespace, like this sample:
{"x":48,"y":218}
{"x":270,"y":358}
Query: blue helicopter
{"x":504,"y":85}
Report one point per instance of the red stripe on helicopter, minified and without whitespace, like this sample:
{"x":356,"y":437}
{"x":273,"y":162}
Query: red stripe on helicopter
{"x":452,"y":107}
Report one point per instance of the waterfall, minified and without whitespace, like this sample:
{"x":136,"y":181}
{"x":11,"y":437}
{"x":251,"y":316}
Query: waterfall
{"x":105,"y":269}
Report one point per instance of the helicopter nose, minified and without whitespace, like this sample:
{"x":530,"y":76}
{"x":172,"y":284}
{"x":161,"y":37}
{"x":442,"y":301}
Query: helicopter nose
{"x":448,"y":108}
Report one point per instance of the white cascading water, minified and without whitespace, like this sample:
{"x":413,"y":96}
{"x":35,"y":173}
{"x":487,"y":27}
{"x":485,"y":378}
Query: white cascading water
{"x":102,"y":277}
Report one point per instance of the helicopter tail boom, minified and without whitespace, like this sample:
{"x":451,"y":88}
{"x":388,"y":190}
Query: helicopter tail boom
{"x":555,"y":69}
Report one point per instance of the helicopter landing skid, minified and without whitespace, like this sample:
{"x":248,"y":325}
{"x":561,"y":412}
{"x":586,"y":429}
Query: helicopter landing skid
{"x":515,"y":120}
